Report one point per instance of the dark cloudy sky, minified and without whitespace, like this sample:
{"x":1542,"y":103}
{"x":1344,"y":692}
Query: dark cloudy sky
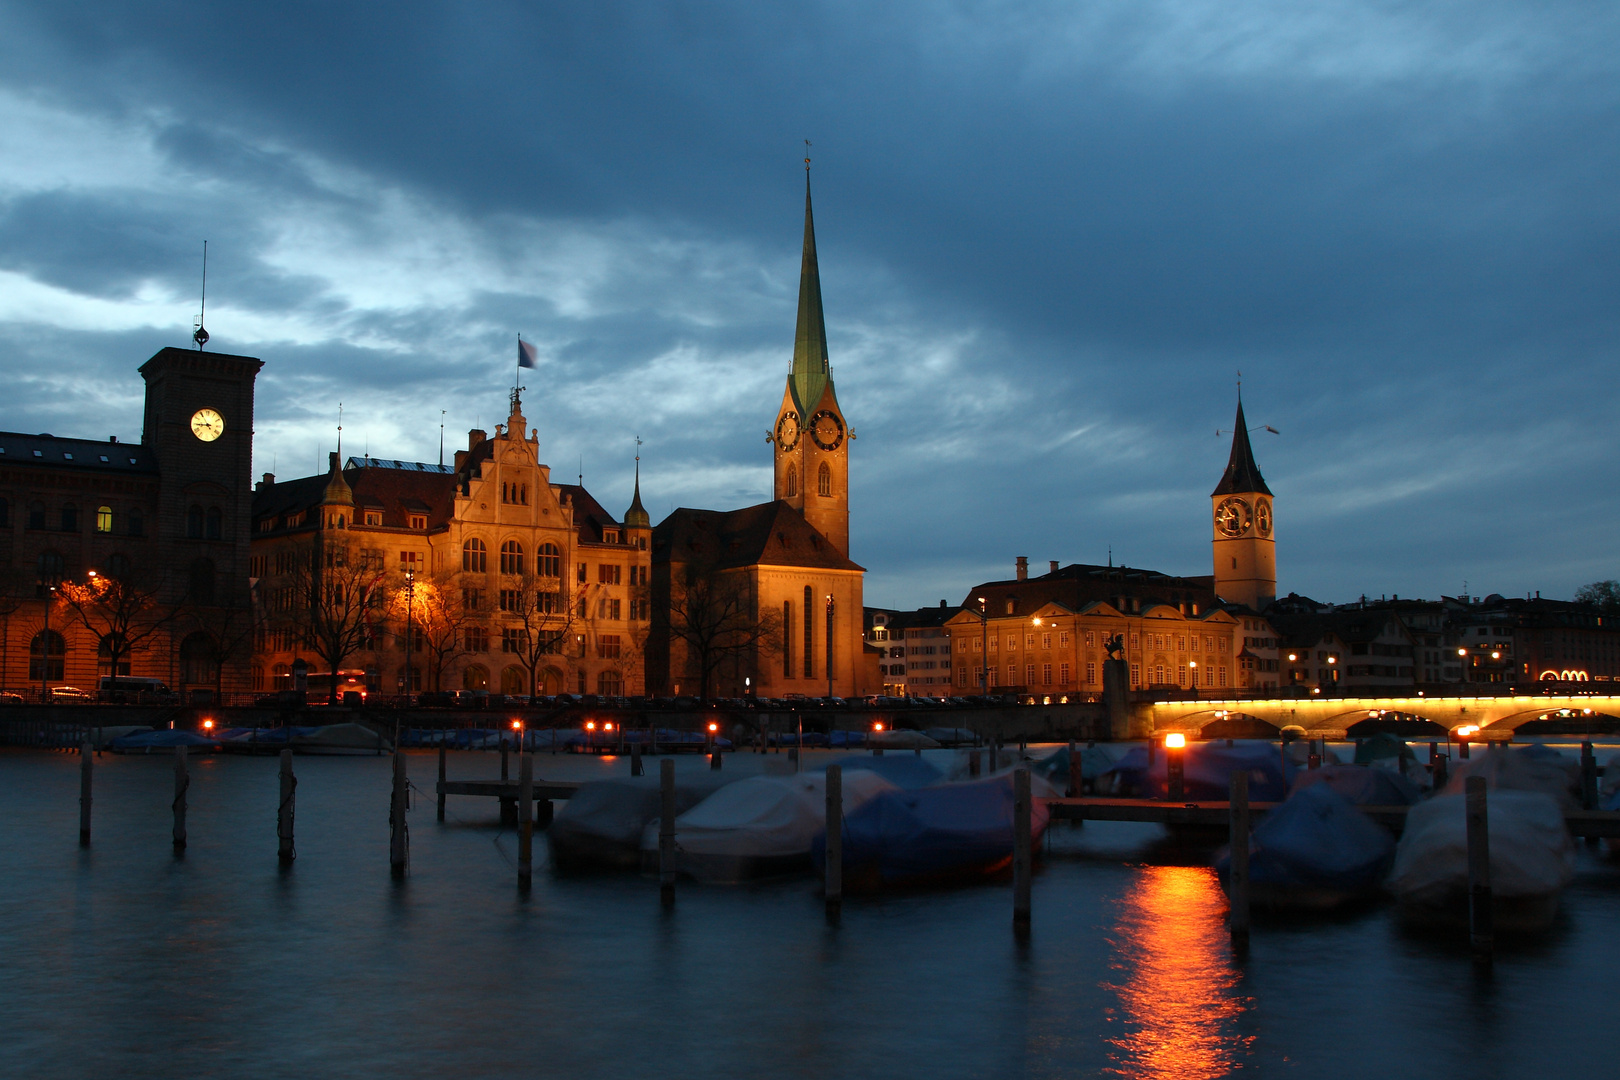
{"x":1050,"y":236}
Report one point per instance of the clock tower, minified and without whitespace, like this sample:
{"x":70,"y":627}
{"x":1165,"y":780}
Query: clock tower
{"x":1245,"y":548}
{"x":811,"y":438}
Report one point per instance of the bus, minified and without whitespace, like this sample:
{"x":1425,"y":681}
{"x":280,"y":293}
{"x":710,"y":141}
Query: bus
{"x":127,"y":689}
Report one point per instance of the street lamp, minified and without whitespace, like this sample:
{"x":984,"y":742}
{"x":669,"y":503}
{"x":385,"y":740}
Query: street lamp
{"x":1462,"y":665}
{"x":984,"y":647}
{"x":410,"y":616}
{"x":829,"y":650}
{"x":48,"y":583}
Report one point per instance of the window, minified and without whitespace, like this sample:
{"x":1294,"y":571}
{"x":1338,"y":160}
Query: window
{"x":809,"y":631}
{"x":475,"y":677}
{"x":824,"y":481}
{"x":548,"y":561}
{"x":1091,"y":639}
{"x":547,"y":603}
{"x":993,"y":643}
{"x":787,"y":639}
{"x":608,"y":646}
{"x":1063,"y":673}
{"x":409,"y":560}
{"x":1046,"y":641}
{"x":474,"y":557}
{"x":51,"y":566}
{"x":610,"y":536}
{"x":373,"y":517}
{"x":638,"y":575}
{"x":36,"y":515}
{"x":792,"y":480}
{"x":103,"y":519}
{"x":1136,"y":674}
{"x":1222,"y":676}
{"x":1063,"y":639}
{"x":511,"y":557}
{"x":45,"y":656}
{"x":512,"y":639}
{"x":1046,"y":674}
{"x":580,"y":575}
{"x":202,"y":581}
{"x":1091,"y":673}
{"x":609,"y":575}
{"x":475,"y":639}
{"x":416,"y":521}
{"x":70,"y":520}
{"x":1029,"y":675}
{"x":607,"y":608}
{"x":511,"y":599}
{"x":194,"y":523}
{"x":472,"y":599}
{"x":609,"y":684}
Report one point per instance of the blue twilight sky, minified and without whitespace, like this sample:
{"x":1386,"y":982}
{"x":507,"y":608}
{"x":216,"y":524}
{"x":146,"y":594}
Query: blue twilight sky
{"x":1050,"y":235}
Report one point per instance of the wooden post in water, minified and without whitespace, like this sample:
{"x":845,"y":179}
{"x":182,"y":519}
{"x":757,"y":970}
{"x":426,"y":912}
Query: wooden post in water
{"x":1480,"y":929}
{"x":973,"y":763}
{"x":1074,"y":770}
{"x":441,"y":781}
{"x":1021,"y":849}
{"x":666,"y":832}
{"x":833,"y":877}
{"x":284,"y":815}
{"x":635,"y":758}
{"x":182,"y":781}
{"x":397,"y":844}
{"x":86,"y":768}
{"x":1238,"y":873}
{"x":714,"y":760}
{"x":525,"y":819}
{"x":1174,"y":773}
{"x":1589,"y":784}
{"x":504,"y":776}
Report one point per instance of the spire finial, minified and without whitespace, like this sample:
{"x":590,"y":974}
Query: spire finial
{"x":198,"y":334}
{"x":340,"y":432}
{"x":807,"y":156}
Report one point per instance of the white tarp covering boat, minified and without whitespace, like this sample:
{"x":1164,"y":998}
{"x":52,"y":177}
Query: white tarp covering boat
{"x":759,"y":827}
{"x":1532,"y":858}
{"x":601,"y":825}
{"x":340,"y":739}
{"x":901,"y":739}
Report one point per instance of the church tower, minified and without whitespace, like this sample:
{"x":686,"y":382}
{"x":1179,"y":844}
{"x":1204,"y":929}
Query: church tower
{"x":1245,"y":549}
{"x":810,"y":436}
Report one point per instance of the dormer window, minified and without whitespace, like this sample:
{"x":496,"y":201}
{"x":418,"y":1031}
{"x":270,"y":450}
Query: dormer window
{"x":373,"y":517}
{"x":417,"y":521}
{"x":610,"y":536}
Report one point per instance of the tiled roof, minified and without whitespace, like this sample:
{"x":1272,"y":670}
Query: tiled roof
{"x":19,"y":449}
{"x":772,"y":534}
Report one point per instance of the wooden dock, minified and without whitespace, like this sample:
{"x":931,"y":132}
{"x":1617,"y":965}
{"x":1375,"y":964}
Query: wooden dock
{"x":1218,"y":813}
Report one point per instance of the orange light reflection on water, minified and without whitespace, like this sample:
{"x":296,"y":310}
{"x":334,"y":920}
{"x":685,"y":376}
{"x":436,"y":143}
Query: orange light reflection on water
{"x":1180,"y":992}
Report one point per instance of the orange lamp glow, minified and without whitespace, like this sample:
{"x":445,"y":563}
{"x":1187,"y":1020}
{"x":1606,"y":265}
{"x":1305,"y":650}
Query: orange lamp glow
{"x":517,"y":725}
{"x":590,"y":725}
{"x":1175,"y":741}
{"x":713,"y":728}
{"x":1467,"y":730}
{"x":208,"y":725}
{"x":607,"y":726}
{"x":878,"y":726}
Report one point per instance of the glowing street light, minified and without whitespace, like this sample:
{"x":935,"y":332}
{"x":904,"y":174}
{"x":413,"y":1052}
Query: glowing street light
{"x":1175,"y":740}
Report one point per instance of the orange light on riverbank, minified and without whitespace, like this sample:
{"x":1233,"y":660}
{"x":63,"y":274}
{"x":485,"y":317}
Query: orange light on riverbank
{"x":1467,"y":731}
{"x":1175,"y":741}
{"x":208,"y":725}
{"x":608,"y":726}
{"x":517,"y":725}
{"x":878,"y":726}
{"x":590,"y":725}
{"x":713,"y":727}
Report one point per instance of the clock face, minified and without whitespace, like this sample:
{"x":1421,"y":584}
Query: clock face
{"x":207,"y":424}
{"x":787,"y":431}
{"x":827,"y":430}
{"x":1262,"y":517}
{"x":1232,"y":517}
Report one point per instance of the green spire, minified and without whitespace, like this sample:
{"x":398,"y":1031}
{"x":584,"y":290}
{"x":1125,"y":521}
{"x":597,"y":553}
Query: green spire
{"x":637,"y":517}
{"x":809,"y":379}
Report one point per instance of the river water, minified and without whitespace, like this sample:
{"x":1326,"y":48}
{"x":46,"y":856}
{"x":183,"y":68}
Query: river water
{"x":127,"y":961}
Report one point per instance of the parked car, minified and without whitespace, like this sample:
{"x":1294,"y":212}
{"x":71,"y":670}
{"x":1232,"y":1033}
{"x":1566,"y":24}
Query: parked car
{"x":69,"y":694}
{"x":8,"y":698}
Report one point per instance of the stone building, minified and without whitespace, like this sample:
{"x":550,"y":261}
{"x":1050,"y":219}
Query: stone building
{"x":151,"y":536}
{"x":771,"y":587}
{"x":518,"y":584}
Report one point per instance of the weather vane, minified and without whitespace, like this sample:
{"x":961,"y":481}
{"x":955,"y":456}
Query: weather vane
{"x":807,"y":155}
{"x":198,"y":334}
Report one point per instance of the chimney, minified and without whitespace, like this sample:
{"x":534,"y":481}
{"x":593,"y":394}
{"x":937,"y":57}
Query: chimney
{"x":1053,"y":564}
{"x":942,"y":604}
{"x":474,"y":437}
{"x":1023,"y":568}
{"x":269,"y":480}
{"x":112,"y":439}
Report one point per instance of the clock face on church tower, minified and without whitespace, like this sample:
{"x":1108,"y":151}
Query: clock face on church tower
{"x":827,"y":430}
{"x":207,"y":425}
{"x":1262,"y":517}
{"x":787,"y":431}
{"x":1233,"y":517}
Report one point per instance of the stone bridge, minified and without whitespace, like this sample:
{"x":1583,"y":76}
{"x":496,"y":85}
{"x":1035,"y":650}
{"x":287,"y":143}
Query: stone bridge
{"x":1495,"y":716}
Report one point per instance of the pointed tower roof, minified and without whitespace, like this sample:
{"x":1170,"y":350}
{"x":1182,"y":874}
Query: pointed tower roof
{"x":1242,"y":475}
{"x":809,"y":379}
{"x":637,"y":517}
{"x":337,"y":488}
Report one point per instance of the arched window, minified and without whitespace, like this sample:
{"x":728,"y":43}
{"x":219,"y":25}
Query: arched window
{"x":824,"y":481}
{"x":792,"y":480}
{"x":103,"y":519}
{"x":202,"y":581}
{"x":36,"y":515}
{"x":511,"y":557}
{"x":281,"y":677}
{"x":551,"y":682}
{"x":609,"y":683}
{"x":70,"y":518}
{"x":474,"y":556}
{"x":137,"y":523}
{"x":50,"y":566}
{"x":194,"y":523}
{"x":45,"y":661}
{"x":475,"y":677}
{"x":548,"y":561}
{"x":117,"y":565}
{"x":197,"y":661}
{"x":514,"y":680}
{"x":110,"y":644}
{"x":215,"y":523}
{"x":258,"y":678}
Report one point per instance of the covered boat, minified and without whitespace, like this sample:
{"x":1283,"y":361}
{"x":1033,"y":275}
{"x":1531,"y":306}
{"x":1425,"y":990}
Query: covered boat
{"x":1207,"y":769}
{"x":1095,"y":761}
{"x":901,"y":739}
{"x":949,"y":832}
{"x":1531,"y":768}
{"x":601,"y":824}
{"x":145,"y":742}
{"x":1360,"y":785}
{"x":1315,"y":851}
{"x":763,"y":826}
{"x":339,"y":739}
{"x":1532,"y":859}
{"x":903,"y":771}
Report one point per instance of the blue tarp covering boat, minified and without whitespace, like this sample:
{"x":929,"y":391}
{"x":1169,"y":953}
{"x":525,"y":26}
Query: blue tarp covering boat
{"x":934,"y":834}
{"x":846,"y":740}
{"x":907,"y":771}
{"x":1207,"y":770}
{"x":1362,"y":785}
{"x":147,"y":741}
{"x":1315,"y":850}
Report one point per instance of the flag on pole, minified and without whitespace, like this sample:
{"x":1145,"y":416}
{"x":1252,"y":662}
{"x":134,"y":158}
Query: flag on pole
{"x":528,"y":356}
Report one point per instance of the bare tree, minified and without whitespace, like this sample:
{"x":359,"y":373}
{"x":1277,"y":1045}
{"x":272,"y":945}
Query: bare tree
{"x":545,"y":623}
{"x":231,"y":628}
{"x":1603,"y":595}
{"x":124,"y":611}
{"x":15,"y":589}
{"x":437,"y":614}
{"x":716,"y":615}
{"x":333,"y":599}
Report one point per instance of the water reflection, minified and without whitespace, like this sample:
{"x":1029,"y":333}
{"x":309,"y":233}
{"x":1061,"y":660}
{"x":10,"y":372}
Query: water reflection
{"x":1180,"y":998}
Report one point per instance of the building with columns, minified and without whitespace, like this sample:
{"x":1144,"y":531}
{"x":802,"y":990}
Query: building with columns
{"x":766,"y":599}
{"x":518,"y":584}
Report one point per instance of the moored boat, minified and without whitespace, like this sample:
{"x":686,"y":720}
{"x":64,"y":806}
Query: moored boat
{"x":600,"y":826}
{"x":1314,"y":851}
